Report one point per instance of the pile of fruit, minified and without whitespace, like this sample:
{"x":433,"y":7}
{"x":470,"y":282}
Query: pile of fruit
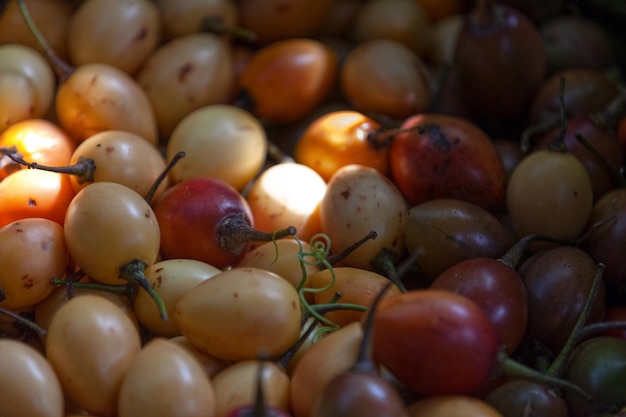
{"x":407,"y":208}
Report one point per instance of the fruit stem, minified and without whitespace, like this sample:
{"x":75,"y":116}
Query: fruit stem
{"x":123,"y":289}
{"x":382,"y":138}
{"x":259,"y":402}
{"x":514,"y":255}
{"x":23,"y":320}
{"x":384,"y":263}
{"x":334,"y":259}
{"x":542,"y":126}
{"x":61,"y":68}
{"x":558,"y":143}
{"x":133,"y":272}
{"x":236,"y":233}
{"x":618,"y":178}
{"x":83,"y":169}
{"x":440,"y":86}
{"x":586,"y":331}
{"x":610,"y":116}
{"x":325,"y":308}
{"x":277,"y":154}
{"x":559,"y":362}
{"x":162,"y":176}
{"x":364,"y":360}
{"x":215,"y":24}
{"x":514,"y":369}
{"x":286,"y":357}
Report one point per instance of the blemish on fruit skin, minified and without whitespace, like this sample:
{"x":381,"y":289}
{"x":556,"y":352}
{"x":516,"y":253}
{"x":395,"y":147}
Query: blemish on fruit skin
{"x":32,"y":202}
{"x":141,"y":34}
{"x":345,"y":194}
{"x":184,"y":71}
{"x":438,"y":138}
{"x":28,"y":282}
{"x":293,"y":305}
{"x":147,"y":214}
{"x":235,"y":295}
{"x":158,"y":282}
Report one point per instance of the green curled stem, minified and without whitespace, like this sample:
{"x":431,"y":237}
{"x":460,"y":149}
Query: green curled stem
{"x":133,"y":272}
{"x":325,"y":308}
{"x":320,"y":248}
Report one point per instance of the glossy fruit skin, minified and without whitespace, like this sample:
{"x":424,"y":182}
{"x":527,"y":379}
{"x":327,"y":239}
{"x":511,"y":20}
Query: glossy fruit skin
{"x":108,"y":225}
{"x":28,"y":385}
{"x":287,"y":79}
{"x":448,"y":230}
{"x":236,"y":387}
{"x":190,"y":216}
{"x":549,"y":193}
{"x":29,"y":193}
{"x":586,"y":91}
{"x":91,"y":344}
{"x":557,"y":282}
{"x":52,"y":18}
{"x":171,"y":279}
{"x":384,"y":76}
{"x":497,"y":288}
{"x":340,"y":138}
{"x":605,"y":243}
{"x":447,"y":157}
{"x":122,"y":157}
{"x":601,"y":139}
{"x":521,"y":398}
{"x":598,"y":365}
{"x":286,"y":264}
{"x":99,"y":97}
{"x":32,"y":252}
{"x":27,"y":84}
{"x":95,"y":33}
{"x":274,"y":20}
{"x":574,"y":41}
{"x":356,"y":285}
{"x":352,"y":394}
{"x":417,"y":332}
{"x":286,"y":195}
{"x":220,"y":141}
{"x":38,"y":140}
{"x":239,"y":312}
{"x":500,"y":63}
{"x":359,"y":200}
{"x":165,"y":380}
{"x":331,"y":355}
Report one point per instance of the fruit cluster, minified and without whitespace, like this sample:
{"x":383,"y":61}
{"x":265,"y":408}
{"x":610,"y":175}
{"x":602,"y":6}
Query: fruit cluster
{"x":221,"y":208}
